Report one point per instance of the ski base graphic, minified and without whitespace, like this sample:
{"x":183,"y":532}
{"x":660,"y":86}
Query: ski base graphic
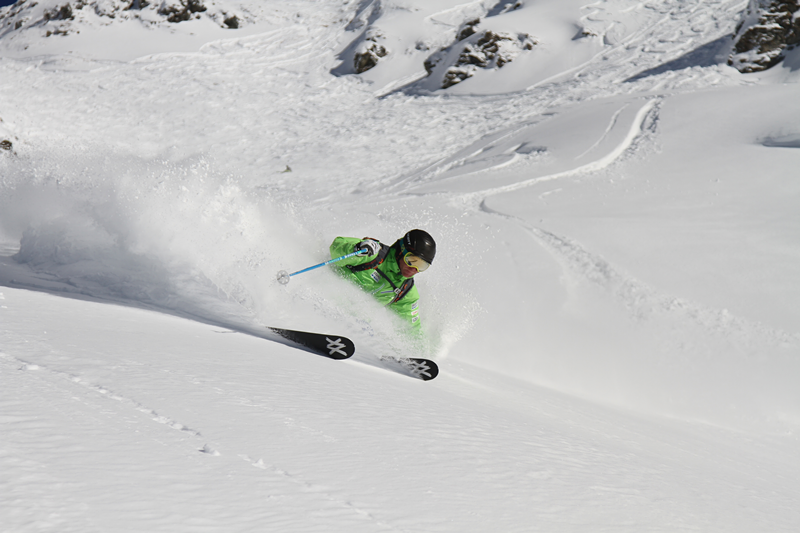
{"x":338,"y":347}
{"x":332,"y":346}
{"x":423,"y":369}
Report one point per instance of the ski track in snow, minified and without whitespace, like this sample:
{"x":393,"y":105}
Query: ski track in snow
{"x":504,"y":446}
{"x":321,"y":492}
{"x":88,"y":394}
{"x":592,"y":267}
{"x":265,"y":57}
{"x":24,"y":366}
{"x":605,"y":75}
{"x":641,"y":300}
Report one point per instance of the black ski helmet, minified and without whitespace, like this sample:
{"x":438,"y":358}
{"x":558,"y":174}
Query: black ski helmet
{"x":421,"y":244}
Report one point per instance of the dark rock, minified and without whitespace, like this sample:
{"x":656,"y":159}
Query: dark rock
{"x":768,"y":28}
{"x":504,"y":6}
{"x":370,"y":52}
{"x":488,"y":50}
{"x":62,"y":13}
{"x":183,"y":11}
{"x":232,"y":22}
{"x":468,"y":29}
{"x":138,"y":4}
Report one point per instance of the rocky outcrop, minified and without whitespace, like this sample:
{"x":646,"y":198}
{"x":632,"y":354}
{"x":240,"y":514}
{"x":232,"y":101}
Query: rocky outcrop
{"x":767,"y":30}
{"x":370,"y":51}
{"x":6,"y":146}
{"x":62,"y":12}
{"x":66,"y":17}
{"x":369,"y":45}
{"x":451,"y":44}
{"x":182,"y":10}
{"x":476,"y":50}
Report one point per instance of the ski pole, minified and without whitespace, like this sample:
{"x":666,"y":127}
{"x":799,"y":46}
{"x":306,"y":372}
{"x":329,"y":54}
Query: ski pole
{"x":283,"y":276}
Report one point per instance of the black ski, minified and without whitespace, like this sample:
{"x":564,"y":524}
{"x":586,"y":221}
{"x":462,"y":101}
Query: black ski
{"x":336,"y":347}
{"x":332,"y":346}
{"x":423,"y":369}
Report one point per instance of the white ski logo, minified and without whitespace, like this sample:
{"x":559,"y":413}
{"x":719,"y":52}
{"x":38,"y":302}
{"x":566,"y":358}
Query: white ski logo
{"x":335,"y":346}
{"x":420,"y":368}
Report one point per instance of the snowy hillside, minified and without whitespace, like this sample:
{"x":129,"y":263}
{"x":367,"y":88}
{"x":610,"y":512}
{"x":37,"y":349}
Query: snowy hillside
{"x":612,"y":307}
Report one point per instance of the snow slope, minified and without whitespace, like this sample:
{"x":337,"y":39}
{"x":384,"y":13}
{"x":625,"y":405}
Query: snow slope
{"x":129,"y":420}
{"x":612,"y":306}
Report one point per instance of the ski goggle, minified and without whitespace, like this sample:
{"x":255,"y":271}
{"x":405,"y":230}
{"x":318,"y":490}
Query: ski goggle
{"x":416,"y":262}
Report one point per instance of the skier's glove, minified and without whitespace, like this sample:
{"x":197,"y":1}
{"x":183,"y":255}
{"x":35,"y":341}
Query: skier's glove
{"x":368,"y":247}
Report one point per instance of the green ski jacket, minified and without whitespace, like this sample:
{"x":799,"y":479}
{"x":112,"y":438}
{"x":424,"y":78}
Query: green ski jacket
{"x":372,"y":281}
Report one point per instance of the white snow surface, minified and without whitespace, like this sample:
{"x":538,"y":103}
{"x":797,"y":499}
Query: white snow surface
{"x":613,"y":305}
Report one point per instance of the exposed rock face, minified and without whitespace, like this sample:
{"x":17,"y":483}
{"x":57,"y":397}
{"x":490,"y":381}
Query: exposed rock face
{"x":61,"y":13}
{"x":478,"y":50}
{"x":67,"y":17}
{"x":468,"y":29}
{"x":232,"y":22}
{"x":768,"y":28}
{"x":452,"y":44}
{"x":370,"y":51}
{"x":183,"y":10}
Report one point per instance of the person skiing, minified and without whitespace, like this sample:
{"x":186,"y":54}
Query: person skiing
{"x":387,"y":272}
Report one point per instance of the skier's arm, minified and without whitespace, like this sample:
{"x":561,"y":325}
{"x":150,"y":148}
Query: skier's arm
{"x":347,"y":245}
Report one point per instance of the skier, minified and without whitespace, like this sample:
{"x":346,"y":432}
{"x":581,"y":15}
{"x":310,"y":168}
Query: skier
{"x":388,"y":271}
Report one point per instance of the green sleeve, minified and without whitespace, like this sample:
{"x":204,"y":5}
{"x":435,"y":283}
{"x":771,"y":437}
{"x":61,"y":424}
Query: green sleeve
{"x":347,"y":245}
